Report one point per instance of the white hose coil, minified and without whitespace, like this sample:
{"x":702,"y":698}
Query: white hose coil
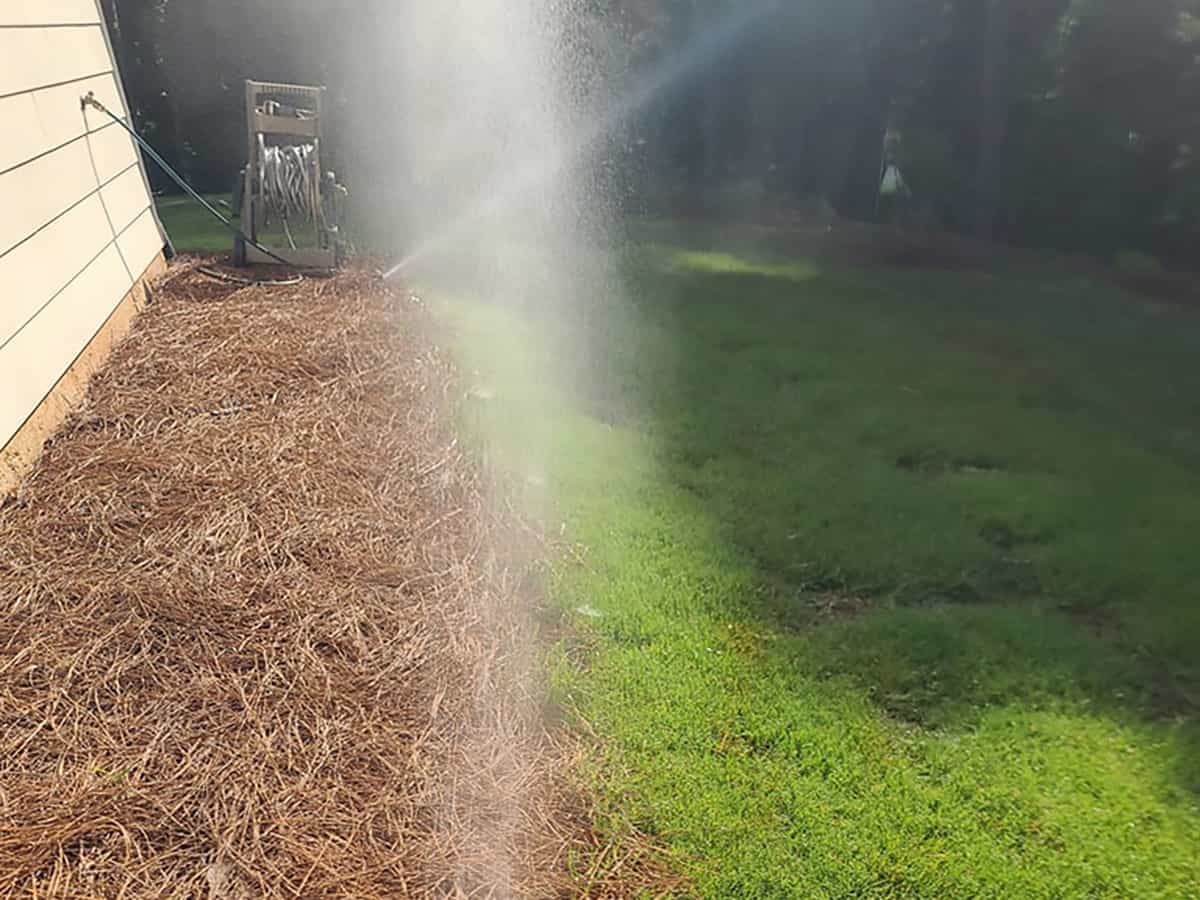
{"x":290,"y":180}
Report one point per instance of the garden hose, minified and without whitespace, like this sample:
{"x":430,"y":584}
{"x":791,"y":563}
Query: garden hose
{"x":90,"y":100}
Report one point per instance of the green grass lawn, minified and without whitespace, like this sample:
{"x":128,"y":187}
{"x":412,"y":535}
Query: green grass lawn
{"x":191,"y":227}
{"x":194,"y":230}
{"x":886,"y":583}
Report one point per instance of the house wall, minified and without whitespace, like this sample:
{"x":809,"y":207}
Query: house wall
{"x":77,"y":225}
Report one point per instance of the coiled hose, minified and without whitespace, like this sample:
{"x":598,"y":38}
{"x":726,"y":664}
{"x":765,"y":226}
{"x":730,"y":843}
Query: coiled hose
{"x":290,"y":181}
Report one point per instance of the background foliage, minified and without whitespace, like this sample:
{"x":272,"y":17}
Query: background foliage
{"x":1067,"y":124}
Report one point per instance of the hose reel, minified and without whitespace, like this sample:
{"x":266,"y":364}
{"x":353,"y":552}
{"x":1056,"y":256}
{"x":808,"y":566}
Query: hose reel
{"x":283,"y":183}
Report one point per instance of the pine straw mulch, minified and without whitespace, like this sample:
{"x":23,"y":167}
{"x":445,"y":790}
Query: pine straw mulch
{"x":261,"y":632}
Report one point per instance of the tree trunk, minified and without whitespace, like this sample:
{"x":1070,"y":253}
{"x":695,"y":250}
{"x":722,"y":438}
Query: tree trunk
{"x":116,"y":34}
{"x":993,"y":127}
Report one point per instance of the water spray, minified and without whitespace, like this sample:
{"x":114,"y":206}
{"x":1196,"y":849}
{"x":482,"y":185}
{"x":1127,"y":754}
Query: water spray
{"x":710,"y":46}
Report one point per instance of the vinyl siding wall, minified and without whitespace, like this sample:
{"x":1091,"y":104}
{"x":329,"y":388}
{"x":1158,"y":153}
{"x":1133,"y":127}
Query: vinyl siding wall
{"x":77,"y":227}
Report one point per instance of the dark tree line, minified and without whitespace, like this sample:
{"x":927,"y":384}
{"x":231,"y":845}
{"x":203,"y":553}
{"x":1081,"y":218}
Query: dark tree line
{"x":1060,"y":123}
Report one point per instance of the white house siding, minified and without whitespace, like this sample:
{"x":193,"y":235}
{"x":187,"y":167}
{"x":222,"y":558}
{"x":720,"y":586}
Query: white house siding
{"x":77,"y":227}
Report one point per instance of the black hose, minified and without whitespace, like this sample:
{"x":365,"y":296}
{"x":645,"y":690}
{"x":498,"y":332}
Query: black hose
{"x":90,"y":100}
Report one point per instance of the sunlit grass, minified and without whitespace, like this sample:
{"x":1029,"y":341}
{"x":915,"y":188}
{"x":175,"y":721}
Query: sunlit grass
{"x":714,"y":262}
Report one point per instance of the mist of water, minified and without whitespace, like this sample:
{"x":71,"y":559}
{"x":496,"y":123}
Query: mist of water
{"x":556,"y":139}
{"x":503,"y":137}
{"x":490,"y":92}
{"x":490,"y":121}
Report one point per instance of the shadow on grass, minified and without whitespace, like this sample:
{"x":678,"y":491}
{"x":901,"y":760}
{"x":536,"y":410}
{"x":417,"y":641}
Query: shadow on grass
{"x":955,"y":517}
